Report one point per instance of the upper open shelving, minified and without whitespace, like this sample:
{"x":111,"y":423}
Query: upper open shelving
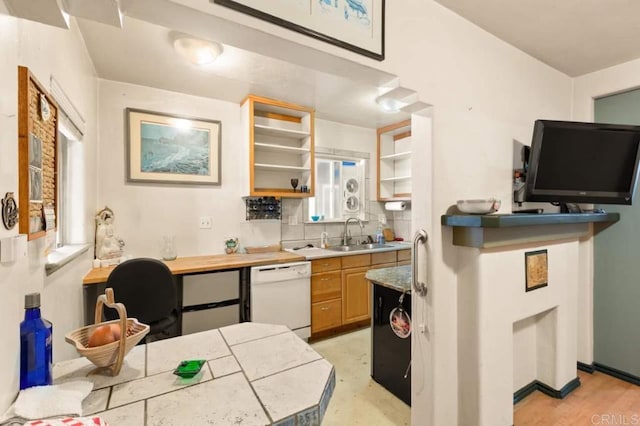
{"x":269,"y":147}
{"x":394,"y":161}
{"x":281,"y":143}
{"x":261,"y":129}
{"x":397,"y":156}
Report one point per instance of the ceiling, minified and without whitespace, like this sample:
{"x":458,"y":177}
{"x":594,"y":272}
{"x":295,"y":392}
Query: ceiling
{"x":573,"y":36}
{"x":142,"y":53}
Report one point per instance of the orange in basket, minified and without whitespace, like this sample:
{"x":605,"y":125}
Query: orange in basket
{"x":108,"y":358}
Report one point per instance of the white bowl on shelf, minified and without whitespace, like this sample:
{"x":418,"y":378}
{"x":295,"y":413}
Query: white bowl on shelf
{"x":486,"y":206}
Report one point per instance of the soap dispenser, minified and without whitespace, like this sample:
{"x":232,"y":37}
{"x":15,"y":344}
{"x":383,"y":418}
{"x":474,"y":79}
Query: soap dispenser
{"x":379,"y":235}
{"x":324,"y":240}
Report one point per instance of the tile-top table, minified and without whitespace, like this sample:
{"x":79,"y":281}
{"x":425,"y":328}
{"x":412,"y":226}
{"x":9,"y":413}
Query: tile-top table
{"x":255,"y":374}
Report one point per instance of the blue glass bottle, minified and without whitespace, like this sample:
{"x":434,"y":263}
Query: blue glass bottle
{"x":35,"y":345}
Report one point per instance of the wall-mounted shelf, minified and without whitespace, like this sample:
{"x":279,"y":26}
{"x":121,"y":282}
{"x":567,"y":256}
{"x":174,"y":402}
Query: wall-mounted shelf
{"x":394,"y":161}
{"x":268,"y":147}
{"x":280,"y":167}
{"x":496,"y":230}
{"x":281,"y":147}
{"x":396,"y":179}
{"x":261,"y":129}
{"x":395,"y":157}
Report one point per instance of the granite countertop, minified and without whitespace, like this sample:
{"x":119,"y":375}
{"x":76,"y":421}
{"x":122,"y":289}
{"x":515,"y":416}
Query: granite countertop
{"x":396,"y":278}
{"x":255,"y":374}
{"x":319,"y":253}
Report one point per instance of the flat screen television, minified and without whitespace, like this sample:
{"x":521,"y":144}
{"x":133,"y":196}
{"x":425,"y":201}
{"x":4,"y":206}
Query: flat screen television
{"x":573,"y":162}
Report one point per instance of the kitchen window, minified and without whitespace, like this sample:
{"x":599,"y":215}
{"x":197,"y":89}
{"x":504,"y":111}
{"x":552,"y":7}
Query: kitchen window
{"x":340,"y":188}
{"x":69,"y":240}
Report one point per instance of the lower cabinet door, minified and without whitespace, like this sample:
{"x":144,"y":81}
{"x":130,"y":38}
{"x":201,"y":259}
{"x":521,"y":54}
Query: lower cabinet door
{"x":356,"y":295}
{"x":326,"y":315}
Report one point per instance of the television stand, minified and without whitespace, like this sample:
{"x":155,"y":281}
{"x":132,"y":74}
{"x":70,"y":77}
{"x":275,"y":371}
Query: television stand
{"x":569,"y":207}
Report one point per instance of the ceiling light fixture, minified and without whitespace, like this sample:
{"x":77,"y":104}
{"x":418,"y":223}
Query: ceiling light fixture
{"x":197,"y":51}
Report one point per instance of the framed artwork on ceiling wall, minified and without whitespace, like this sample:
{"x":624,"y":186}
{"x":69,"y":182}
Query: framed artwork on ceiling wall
{"x":356,"y":25}
{"x":166,"y":148}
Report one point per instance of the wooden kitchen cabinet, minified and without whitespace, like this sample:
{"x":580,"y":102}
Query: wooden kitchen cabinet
{"x":326,"y":264}
{"x":326,"y":315}
{"x":356,"y":295}
{"x":326,"y":286}
{"x":384,"y":257}
{"x":281,"y":147}
{"x":340,"y":293}
{"x":326,"y":294}
{"x":404,"y":257}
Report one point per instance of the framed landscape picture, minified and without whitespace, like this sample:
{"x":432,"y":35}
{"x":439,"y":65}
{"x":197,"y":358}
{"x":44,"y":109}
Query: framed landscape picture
{"x":164,"y":148}
{"x":356,"y":25}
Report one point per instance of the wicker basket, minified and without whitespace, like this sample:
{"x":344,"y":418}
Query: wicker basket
{"x":108,"y":358}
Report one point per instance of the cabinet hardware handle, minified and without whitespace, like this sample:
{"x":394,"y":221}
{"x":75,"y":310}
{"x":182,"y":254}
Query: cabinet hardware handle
{"x":325,"y":279}
{"x":324,"y":309}
{"x":419,"y":237}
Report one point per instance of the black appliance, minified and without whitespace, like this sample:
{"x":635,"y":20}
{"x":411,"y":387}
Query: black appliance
{"x":391,"y":354}
{"x":574,"y":162}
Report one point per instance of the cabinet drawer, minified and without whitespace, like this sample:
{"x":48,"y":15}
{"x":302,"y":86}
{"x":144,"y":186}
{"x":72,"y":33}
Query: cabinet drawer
{"x":404,"y":262}
{"x":383,"y":265}
{"x":326,"y":264}
{"x":404,"y":255}
{"x":212,"y":287}
{"x":356,"y":261}
{"x":384,"y":257}
{"x":326,"y":286}
{"x":326,"y":315}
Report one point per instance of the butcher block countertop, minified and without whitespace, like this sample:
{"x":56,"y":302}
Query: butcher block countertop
{"x":218,"y":262}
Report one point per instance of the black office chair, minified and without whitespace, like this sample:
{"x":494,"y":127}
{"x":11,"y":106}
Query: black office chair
{"x":148,"y":290}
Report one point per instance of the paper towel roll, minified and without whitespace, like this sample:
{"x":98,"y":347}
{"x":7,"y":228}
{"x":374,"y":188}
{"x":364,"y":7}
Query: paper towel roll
{"x":395,"y":206}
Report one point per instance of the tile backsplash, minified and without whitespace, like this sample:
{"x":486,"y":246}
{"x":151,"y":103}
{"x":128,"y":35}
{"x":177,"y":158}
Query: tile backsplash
{"x":295,"y":232}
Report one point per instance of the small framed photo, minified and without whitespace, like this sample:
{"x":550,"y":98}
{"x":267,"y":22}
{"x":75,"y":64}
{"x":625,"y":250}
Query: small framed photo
{"x":536,"y":269}
{"x":165,"y":148}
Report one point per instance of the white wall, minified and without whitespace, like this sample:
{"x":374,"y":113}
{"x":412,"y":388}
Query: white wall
{"x":46,"y":51}
{"x":146,"y":212}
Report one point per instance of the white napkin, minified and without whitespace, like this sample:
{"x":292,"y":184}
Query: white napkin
{"x":40,"y":402}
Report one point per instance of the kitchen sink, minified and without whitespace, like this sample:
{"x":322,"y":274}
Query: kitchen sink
{"x":357,"y":247}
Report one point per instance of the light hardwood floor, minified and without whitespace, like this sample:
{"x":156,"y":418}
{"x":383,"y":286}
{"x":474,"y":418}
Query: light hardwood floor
{"x":601,"y":400}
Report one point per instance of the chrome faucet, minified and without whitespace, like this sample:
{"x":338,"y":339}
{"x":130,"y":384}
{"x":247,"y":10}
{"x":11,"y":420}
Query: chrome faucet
{"x":345,"y":236}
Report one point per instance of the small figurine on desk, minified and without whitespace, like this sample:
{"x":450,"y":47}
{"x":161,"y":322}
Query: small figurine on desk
{"x":109,"y":248}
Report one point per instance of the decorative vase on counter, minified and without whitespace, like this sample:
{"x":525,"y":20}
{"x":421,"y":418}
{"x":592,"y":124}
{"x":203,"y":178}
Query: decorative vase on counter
{"x":169,"y":251}
{"x":231,"y":245}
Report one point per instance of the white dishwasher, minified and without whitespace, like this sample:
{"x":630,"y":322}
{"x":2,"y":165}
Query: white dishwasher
{"x":281,"y":294}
